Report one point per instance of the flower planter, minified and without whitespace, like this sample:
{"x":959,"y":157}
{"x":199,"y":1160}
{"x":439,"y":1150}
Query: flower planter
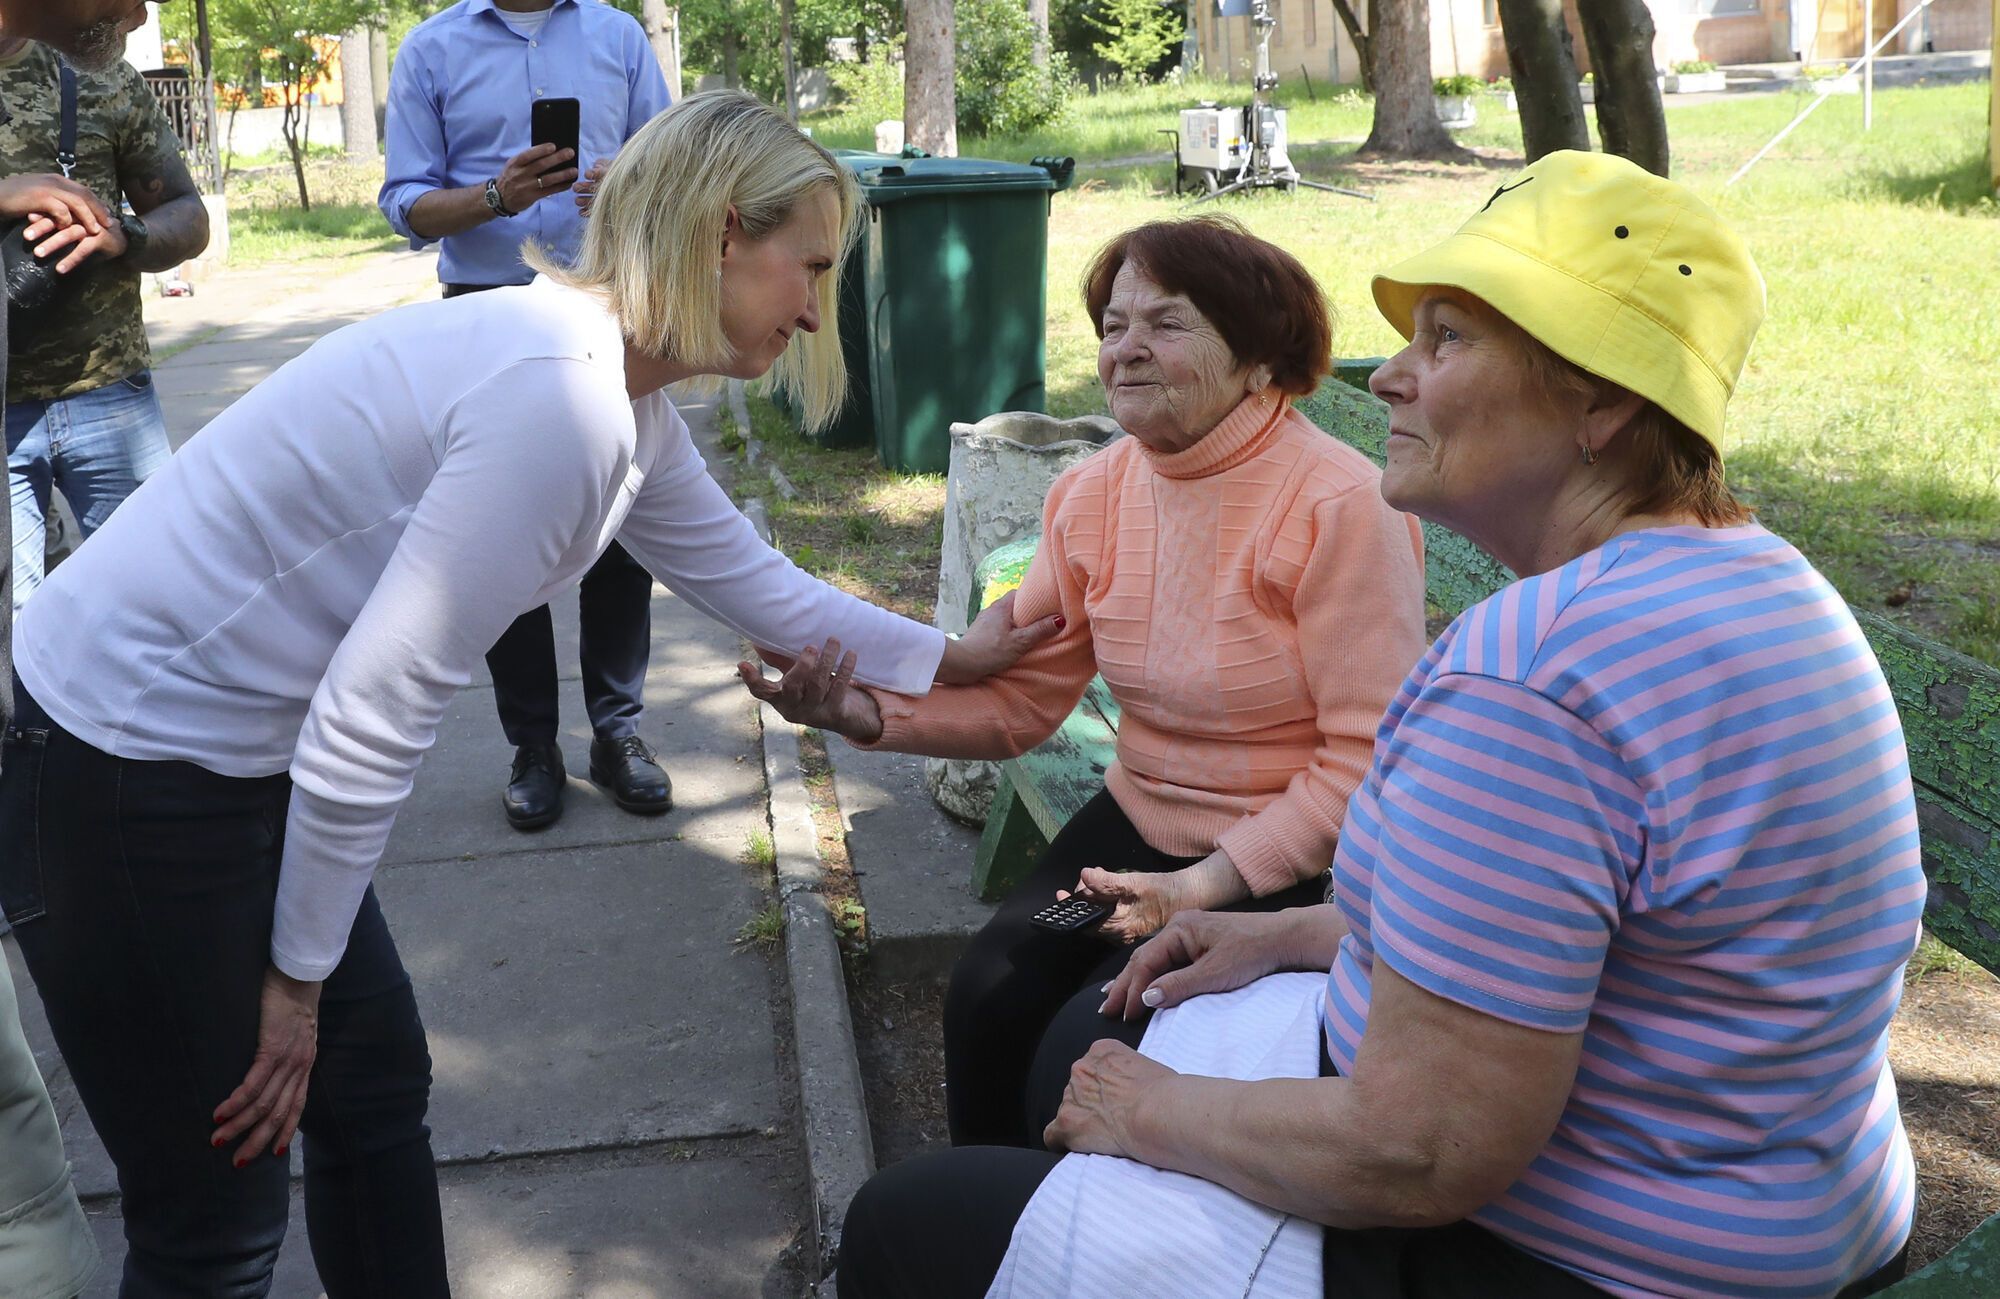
{"x":1588,"y":90}
{"x":1504,"y":101}
{"x":1455,"y":111}
{"x":1842,"y":85}
{"x":1696,"y":83}
{"x":1001,"y":469}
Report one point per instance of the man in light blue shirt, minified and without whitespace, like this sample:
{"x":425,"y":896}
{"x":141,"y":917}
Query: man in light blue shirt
{"x":462,"y":171}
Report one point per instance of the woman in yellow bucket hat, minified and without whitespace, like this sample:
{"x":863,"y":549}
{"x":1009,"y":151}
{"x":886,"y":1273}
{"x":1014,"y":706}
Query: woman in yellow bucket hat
{"x":1619,"y":914}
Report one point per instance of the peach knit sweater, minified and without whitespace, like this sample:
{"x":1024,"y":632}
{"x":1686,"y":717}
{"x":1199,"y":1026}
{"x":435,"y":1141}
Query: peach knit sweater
{"x":1251,"y":602}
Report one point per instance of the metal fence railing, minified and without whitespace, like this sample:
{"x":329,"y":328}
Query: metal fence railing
{"x":190,"y":109}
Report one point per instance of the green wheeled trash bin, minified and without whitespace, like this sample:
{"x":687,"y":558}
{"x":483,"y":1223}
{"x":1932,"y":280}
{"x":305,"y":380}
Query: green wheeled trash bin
{"x":957,"y":297}
{"x":854,"y":425}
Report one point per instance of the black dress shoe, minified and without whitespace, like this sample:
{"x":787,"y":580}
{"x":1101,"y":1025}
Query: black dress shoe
{"x":534,"y":787}
{"x":627,"y":770}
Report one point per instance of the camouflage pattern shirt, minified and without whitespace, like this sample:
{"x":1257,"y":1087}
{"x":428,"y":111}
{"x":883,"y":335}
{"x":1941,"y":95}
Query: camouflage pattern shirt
{"x":94,"y":333}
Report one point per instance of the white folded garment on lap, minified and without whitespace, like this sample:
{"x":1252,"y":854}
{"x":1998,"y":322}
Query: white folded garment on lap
{"x":1101,"y":1227}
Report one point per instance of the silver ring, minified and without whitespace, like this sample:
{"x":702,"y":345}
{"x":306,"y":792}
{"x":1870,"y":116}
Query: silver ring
{"x":541,"y":182}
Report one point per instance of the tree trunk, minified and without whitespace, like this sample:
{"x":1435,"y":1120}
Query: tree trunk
{"x":1406,"y":120}
{"x":378,"y":76}
{"x":791,"y":68}
{"x":729,"y":77}
{"x":662,"y":22}
{"x":288,"y":126}
{"x":1543,"y":65}
{"x":930,"y":70}
{"x":1363,"y":45}
{"x":1630,"y":118}
{"x":357,"y":97}
{"x":1038,"y":14}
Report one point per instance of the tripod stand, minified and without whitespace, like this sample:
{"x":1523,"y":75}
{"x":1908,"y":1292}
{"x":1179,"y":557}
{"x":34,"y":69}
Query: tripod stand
{"x":1260,"y":124}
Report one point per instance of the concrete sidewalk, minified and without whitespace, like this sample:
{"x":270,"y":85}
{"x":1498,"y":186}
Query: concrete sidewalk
{"x":614,"y":1104}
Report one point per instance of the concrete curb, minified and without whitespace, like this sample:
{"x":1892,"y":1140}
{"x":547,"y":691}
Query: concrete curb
{"x":840,"y":1154}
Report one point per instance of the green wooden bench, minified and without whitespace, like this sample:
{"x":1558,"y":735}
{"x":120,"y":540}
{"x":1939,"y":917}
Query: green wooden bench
{"x":1950,"y":706}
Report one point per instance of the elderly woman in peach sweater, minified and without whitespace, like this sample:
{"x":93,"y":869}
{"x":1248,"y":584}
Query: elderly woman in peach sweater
{"x":1251,"y":602}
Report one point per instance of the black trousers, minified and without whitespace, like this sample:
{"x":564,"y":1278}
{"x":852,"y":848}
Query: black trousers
{"x":615,"y":602}
{"x":1014,"y":977}
{"x":938,"y":1226}
{"x":141,"y":894}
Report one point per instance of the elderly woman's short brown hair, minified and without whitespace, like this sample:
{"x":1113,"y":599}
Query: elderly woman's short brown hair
{"x":1264,"y":303}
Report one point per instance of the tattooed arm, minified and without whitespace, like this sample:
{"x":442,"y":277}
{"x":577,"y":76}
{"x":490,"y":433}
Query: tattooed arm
{"x":163,"y":193}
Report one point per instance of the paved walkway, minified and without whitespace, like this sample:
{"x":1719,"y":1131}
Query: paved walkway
{"x":613,"y":1109}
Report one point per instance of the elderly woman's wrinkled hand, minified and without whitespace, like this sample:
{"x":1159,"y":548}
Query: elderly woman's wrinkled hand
{"x":1144,"y":901}
{"x":817,"y":689}
{"x":1106,"y":1094}
{"x":1220,"y":951}
{"x":1141,"y":902}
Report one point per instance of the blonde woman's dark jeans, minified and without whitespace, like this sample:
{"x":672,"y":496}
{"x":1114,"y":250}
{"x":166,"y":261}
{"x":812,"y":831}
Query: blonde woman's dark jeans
{"x":141,"y":894}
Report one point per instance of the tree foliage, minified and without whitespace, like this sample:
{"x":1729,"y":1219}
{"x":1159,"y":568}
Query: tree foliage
{"x":1141,"y":34}
{"x":282,"y":46}
{"x":1001,"y":89}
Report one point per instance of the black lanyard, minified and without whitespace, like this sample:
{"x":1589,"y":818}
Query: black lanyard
{"x":66,"y":142}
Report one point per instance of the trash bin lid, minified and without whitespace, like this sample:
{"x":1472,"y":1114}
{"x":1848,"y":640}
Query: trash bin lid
{"x":897,"y":179}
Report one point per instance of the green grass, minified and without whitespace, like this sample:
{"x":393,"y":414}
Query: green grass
{"x":765,"y":929}
{"x":266,"y":223}
{"x":758,"y":850}
{"x":1127,"y":121}
{"x":1865,"y":428}
{"x":268,"y":234}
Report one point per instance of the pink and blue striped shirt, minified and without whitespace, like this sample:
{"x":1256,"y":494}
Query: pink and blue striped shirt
{"x":1659,"y":796}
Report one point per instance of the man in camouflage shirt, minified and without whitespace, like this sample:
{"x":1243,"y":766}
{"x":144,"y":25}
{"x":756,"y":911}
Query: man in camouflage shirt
{"x":81,"y":411}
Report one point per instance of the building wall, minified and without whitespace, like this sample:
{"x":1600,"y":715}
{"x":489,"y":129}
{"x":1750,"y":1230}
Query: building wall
{"x":1310,"y":37}
{"x":1466,"y":36}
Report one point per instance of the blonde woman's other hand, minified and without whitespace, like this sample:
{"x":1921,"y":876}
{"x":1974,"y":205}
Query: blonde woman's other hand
{"x":993,"y":643}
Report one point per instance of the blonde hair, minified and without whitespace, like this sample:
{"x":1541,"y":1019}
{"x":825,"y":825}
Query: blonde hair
{"x":652,"y":245}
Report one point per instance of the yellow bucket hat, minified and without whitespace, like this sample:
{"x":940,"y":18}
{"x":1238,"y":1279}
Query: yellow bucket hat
{"x":1619,"y":271}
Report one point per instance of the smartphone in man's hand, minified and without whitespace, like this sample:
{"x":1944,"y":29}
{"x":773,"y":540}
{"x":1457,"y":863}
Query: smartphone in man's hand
{"x":557,"y":122}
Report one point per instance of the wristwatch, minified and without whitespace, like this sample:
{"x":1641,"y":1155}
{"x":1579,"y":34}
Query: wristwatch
{"x":135,"y":234}
{"x":494,"y":201}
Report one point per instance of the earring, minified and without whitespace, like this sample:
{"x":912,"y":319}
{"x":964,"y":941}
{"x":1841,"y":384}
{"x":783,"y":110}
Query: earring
{"x":1589,"y":456}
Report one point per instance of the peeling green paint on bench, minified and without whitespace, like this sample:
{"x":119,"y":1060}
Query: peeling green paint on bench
{"x":1970,"y":1271}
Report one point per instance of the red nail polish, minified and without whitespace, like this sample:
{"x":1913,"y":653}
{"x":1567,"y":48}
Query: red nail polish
{"x":281,"y":1151}
{"x":1061,"y":622}
{"x":242,"y":1162}
{"x":216,"y":1143}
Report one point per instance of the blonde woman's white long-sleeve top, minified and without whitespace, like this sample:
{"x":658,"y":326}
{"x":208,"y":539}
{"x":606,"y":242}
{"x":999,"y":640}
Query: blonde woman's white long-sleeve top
{"x":316,"y":572}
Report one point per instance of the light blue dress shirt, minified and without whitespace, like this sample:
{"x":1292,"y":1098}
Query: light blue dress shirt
{"x":459,"y":109}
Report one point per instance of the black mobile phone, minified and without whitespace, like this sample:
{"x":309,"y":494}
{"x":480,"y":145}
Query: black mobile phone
{"x":557,"y":122}
{"x":1069,"y":915}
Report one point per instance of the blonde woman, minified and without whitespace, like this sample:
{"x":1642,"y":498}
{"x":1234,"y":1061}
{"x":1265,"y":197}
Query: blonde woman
{"x":223,"y":698}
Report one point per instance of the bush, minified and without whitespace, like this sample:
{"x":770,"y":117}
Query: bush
{"x":1459,"y":86}
{"x":1000,"y":90}
{"x":1500,"y":85}
{"x":1689,"y":67}
{"x":873,"y":89}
